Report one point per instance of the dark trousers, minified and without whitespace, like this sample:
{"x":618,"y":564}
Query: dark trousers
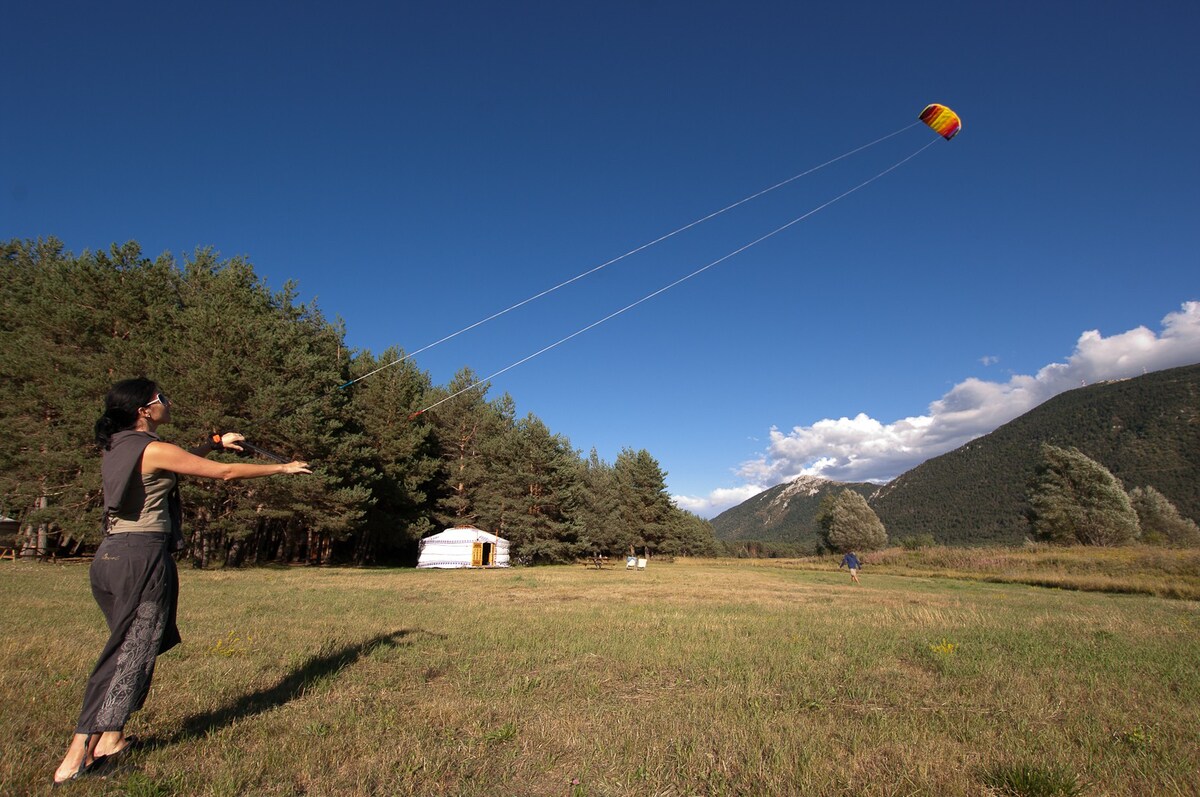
{"x":135,"y":582}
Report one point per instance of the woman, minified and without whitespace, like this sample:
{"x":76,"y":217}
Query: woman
{"x":133,"y":575}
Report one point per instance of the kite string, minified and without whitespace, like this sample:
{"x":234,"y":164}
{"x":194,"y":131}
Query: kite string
{"x":630,"y":253}
{"x":683,"y":279}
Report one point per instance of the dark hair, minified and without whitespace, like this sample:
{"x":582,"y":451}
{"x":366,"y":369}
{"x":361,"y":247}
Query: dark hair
{"x":121,"y":407}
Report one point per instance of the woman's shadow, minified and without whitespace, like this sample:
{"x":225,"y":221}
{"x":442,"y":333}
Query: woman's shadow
{"x":315,"y":669}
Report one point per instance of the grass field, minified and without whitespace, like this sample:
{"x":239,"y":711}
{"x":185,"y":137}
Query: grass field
{"x":1133,"y":569}
{"x":693,"y":678}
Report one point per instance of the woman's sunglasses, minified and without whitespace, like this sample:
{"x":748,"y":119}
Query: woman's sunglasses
{"x":159,"y":398}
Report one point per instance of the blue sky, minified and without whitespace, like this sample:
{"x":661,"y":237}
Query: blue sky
{"x":415,"y":168}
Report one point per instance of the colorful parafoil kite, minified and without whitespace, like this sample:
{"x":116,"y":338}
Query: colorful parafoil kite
{"x":942,"y":120}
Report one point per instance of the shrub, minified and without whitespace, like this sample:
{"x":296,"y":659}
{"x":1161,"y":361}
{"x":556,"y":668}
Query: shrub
{"x":916,"y":542}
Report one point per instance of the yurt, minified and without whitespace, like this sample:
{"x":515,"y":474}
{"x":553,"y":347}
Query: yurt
{"x":463,"y":546}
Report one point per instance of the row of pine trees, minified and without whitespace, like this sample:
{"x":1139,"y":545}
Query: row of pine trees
{"x":234,"y":355}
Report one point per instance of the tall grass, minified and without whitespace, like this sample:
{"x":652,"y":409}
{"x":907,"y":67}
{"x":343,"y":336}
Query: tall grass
{"x":1135,"y":569}
{"x":696,"y":678}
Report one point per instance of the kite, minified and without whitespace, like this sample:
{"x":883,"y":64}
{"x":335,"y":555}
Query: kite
{"x":942,"y":120}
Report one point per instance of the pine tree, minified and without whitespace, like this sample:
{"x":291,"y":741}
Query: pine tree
{"x":643,"y":507}
{"x":690,"y":535}
{"x":403,"y":454}
{"x":596,"y":521}
{"x":541,"y":474}
{"x":469,"y":431}
{"x":1075,"y":500}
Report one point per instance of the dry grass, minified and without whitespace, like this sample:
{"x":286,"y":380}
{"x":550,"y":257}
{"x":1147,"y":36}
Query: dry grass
{"x":701,"y":678}
{"x":1137,"y":569}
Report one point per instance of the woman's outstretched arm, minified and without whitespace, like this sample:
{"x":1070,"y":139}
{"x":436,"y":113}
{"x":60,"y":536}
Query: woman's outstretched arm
{"x":165,"y":456}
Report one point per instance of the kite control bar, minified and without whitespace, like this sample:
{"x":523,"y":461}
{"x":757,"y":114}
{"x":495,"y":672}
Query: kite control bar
{"x":262,"y":452}
{"x":215,"y":439}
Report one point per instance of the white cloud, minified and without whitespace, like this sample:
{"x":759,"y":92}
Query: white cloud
{"x":723,"y":497}
{"x":865,"y":449}
{"x":988,"y":359}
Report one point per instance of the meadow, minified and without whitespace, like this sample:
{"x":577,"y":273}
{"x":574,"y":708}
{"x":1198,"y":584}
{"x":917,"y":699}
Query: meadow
{"x":697,"y":677}
{"x":1134,"y":569}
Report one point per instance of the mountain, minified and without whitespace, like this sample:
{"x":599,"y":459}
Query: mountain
{"x":784,"y":513}
{"x":1146,"y":430}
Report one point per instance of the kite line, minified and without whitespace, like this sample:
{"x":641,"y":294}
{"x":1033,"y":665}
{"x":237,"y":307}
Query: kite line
{"x":681,"y":280}
{"x":630,"y":253}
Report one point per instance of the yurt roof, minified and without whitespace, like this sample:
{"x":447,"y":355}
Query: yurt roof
{"x":465,"y":534}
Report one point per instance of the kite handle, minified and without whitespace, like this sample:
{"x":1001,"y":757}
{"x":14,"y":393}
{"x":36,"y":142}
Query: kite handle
{"x":263,"y":452}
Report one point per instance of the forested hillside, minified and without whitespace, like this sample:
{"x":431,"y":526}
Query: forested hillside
{"x":1145,"y":430}
{"x":236,"y":356}
{"x":784,"y":513}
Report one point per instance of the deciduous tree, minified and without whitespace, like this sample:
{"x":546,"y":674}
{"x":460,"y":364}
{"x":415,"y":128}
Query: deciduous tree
{"x":1160,"y":521}
{"x":1075,"y":500}
{"x":849,"y":524}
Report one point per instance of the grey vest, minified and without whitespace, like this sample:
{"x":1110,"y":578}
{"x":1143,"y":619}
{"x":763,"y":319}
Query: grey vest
{"x":121,"y":464}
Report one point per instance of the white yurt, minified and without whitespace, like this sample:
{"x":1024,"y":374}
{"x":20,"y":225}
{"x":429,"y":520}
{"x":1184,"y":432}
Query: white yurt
{"x":463,"y":546}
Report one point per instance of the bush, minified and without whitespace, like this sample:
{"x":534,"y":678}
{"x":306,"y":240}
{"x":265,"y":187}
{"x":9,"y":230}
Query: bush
{"x":917,"y":541}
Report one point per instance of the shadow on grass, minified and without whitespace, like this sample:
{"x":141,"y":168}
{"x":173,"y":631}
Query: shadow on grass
{"x":318,"y":667}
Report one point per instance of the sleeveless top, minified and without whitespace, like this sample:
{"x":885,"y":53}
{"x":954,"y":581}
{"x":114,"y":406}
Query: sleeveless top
{"x":125,"y":489}
{"x":146,"y":507}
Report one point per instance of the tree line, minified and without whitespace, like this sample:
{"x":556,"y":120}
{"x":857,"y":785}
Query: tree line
{"x":235,"y":355}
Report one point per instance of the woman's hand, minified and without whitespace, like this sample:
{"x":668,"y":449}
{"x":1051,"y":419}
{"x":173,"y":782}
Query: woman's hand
{"x":296,"y":466}
{"x":230,"y":441}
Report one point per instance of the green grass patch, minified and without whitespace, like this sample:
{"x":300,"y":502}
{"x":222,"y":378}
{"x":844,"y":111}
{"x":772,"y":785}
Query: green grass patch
{"x":1025,"y":780}
{"x":700,"y":677}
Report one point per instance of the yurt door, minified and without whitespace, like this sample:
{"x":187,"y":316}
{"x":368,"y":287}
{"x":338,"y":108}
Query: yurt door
{"x":482,"y":554}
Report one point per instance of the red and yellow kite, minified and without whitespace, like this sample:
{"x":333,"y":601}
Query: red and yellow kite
{"x":942,"y":120}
